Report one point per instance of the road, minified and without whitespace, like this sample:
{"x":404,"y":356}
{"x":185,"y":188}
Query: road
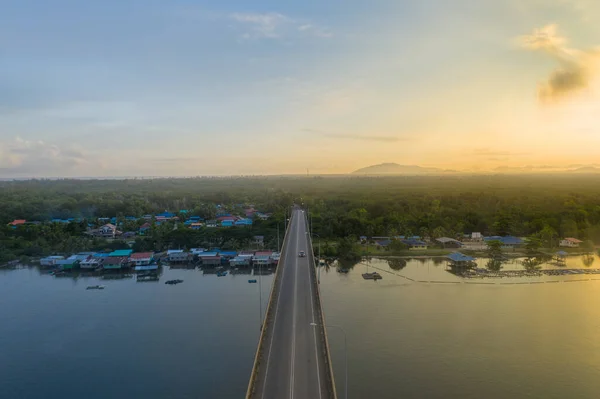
{"x":293,"y":361}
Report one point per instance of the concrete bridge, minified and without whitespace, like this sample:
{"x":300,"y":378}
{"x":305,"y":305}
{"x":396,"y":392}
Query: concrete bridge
{"x":292,"y":359}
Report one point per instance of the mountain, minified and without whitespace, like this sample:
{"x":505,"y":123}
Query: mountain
{"x":586,"y":169}
{"x":396,"y":169}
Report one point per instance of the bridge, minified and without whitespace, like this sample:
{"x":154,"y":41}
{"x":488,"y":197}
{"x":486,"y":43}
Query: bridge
{"x":292,"y":359}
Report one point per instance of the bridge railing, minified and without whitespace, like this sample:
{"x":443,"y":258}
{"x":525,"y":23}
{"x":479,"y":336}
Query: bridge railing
{"x":268,"y":316}
{"x":321,"y":321}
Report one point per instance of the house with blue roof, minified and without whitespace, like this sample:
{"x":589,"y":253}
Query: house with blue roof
{"x":383,"y":243}
{"x":458,"y":259}
{"x":121,"y":252}
{"x":166,"y":215}
{"x":243,"y":222}
{"x":414,"y":244}
{"x":227,"y":223}
{"x":507,"y":241}
{"x":228,"y":254}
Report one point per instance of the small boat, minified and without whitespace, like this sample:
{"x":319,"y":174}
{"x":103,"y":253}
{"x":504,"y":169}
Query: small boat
{"x":252,"y":281}
{"x":173,"y":282}
{"x":95,"y":287}
{"x":342,"y":270}
{"x":372,"y":276}
{"x":221,"y":274}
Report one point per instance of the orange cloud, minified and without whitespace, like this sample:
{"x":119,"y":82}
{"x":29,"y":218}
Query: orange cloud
{"x":577,"y":68}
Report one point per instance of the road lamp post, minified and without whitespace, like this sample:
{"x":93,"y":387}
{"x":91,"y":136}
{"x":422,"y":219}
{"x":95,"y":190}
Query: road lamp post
{"x":345,"y":353}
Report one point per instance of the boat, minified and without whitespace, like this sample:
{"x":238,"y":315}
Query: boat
{"x":221,"y":274}
{"x":252,"y":281}
{"x":340,"y":270}
{"x":173,"y":282}
{"x":372,"y":276}
{"x":95,"y":287}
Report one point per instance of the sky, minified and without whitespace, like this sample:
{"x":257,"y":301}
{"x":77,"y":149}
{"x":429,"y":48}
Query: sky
{"x":188,"y":88}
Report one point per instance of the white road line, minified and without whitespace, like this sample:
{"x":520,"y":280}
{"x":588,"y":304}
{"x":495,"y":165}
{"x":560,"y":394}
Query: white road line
{"x":274,"y":325}
{"x":312,"y":307}
{"x":293,"y":357}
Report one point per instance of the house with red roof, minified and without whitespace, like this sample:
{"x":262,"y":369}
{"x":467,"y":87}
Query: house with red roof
{"x":141,"y":258}
{"x":17,"y":222}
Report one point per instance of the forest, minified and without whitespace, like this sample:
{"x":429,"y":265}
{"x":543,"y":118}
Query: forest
{"x":340,"y":208}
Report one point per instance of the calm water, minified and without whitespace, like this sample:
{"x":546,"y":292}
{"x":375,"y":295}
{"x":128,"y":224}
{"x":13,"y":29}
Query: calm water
{"x":197,"y":339}
{"x":419,"y":340}
{"x":131,"y":340}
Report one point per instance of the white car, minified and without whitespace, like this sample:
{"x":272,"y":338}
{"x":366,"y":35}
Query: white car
{"x":302,"y":254}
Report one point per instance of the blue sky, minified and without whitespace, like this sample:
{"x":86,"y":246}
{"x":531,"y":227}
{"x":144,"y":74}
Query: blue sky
{"x":118,"y":88}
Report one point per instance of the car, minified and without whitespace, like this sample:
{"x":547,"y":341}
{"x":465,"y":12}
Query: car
{"x":302,"y":254}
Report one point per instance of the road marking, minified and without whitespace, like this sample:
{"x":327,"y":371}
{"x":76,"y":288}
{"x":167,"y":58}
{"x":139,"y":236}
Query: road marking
{"x":273,"y":333}
{"x":312,"y":307}
{"x":293,"y":357}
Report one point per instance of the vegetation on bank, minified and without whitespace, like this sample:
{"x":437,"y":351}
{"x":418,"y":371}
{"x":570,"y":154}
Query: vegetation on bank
{"x":341,"y":209}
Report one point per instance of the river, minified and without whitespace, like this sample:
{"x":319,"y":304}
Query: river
{"x":441,"y":339}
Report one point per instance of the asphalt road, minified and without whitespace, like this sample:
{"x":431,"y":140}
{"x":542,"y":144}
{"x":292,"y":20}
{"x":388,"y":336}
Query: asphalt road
{"x":292,"y":364}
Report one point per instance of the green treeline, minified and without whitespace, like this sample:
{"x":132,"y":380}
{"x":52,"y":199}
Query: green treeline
{"x":548,"y":207}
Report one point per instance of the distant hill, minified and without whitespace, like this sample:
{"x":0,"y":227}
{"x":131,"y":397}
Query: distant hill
{"x":396,"y":169}
{"x":586,"y":169}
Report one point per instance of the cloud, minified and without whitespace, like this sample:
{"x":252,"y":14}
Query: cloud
{"x":577,"y":68}
{"x":350,"y":136}
{"x":274,"y":25}
{"x":20,"y":157}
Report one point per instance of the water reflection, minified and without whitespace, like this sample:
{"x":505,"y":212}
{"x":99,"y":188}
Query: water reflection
{"x":587,"y":260}
{"x":397,"y":263}
{"x":494,"y":265}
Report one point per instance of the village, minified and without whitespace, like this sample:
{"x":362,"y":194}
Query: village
{"x":126,"y":259}
{"x":113,"y":227}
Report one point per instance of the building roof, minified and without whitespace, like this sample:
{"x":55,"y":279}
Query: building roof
{"x":228,"y":253}
{"x":165,"y":215}
{"x":141,"y":255}
{"x":207,"y":254}
{"x":79,"y":257}
{"x":121,"y":252}
{"x":506,"y":240}
{"x":17,"y":222}
{"x":263,"y":253}
{"x":110,"y":225}
{"x":174,"y":251}
{"x":414,"y":242}
{"x":573,"y":240}
{"x":116,"y":260}
{"x":211,"y":258}
{"x":445,"y":240}
{"x":101,"y":255}
{"x":68,"y":261}
{"x":458,"y":257}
